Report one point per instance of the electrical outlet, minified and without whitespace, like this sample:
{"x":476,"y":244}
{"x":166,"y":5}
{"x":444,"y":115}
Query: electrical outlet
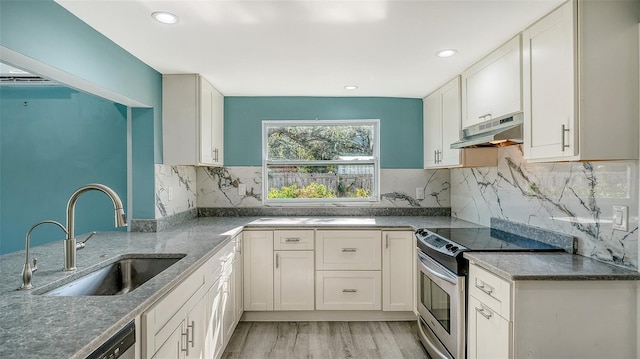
{"x":242,"y":189}
{"x":419,"y":193}
{"x":170,"y":193}
{"x":621,"y":218}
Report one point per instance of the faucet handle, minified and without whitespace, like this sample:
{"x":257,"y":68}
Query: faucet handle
{"x":81,"y":245}
{"x":35,"y":265}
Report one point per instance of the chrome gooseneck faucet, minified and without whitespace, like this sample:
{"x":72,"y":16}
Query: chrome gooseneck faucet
{"x":28,"y":270}
{"x":70,"y":242}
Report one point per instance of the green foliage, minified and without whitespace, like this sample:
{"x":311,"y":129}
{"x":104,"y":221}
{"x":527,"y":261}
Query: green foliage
{"x":361,"y":193}
{"x":314,"y":190}
{"x":323,"y":142}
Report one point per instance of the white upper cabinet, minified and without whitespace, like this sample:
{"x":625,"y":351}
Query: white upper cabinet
{"x":580,"y":76}
{"x":442,"y":126}
{"x":492,"y":87}
{"x":192,"y":121}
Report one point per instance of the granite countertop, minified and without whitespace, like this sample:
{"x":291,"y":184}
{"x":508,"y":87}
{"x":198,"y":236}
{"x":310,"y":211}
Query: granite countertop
{"x":38,"y":326}
{"x":548,"y":266}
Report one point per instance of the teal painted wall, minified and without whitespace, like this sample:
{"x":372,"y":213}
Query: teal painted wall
{"x":46,"y":32}
{"x":52,"y":141}
{"x":400,"y":124}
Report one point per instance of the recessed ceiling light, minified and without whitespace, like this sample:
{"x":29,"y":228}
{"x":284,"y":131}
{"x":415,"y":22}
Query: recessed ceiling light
{"x":165,"y":17}
{"x":447,"y":52}
{"x":350,"y":87}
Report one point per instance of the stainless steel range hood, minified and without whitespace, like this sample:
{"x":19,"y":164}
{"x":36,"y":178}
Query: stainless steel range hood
{"x":497,"y":132}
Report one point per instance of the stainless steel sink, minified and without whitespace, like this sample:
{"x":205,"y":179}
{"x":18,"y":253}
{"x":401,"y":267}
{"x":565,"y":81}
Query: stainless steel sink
{"x":119,"y":277}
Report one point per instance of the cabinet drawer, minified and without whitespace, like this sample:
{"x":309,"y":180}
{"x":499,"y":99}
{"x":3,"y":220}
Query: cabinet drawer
{"x":491,"y":290}
{"x":348,"y":290}
{"x":348,"y":250}
{"x":284,"y":240}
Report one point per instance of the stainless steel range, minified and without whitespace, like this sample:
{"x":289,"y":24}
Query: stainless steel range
{"x":442,"y":284}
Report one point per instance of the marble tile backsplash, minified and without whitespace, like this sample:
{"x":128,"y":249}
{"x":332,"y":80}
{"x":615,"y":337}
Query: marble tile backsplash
{"x":575,"y":198}
{"x":175,"y":189}
{"x":218,"y":187}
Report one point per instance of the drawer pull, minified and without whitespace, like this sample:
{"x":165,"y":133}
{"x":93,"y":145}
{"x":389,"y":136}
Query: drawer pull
{"x":483,"y":313}
{"x":292,"y":240}
{"x":349,"y":250}
{"x":349,"y":291}
{"x":191,"y":328}
{"x":486,"y":290}
{"x":277,"y":260}
{"x":186,"y":346}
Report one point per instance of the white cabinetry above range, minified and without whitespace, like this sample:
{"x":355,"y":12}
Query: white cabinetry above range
{"x":492,"y":88}
{"x":580,"y":78}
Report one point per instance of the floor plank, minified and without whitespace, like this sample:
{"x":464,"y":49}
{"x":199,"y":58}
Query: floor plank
{"x":325,"y":340}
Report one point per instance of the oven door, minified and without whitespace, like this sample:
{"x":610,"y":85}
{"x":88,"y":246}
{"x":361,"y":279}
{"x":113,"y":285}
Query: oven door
{"x":441,"y":305}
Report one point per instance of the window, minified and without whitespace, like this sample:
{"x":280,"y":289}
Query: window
{"x":320,"y":161}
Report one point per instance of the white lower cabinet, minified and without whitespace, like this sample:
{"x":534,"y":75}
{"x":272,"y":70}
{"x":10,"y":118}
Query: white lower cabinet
{"x":348,"y":290}
{"x":491,"y":332}
{"x":293,"y":280}
{"x":282,"y":279}
{"x":196,"y":319}
{"x":550,"y":318}
{"x":398,"y":277}
{"x":258,"y":270}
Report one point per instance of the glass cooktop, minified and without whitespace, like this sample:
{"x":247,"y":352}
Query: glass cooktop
{"x":487,"y":239}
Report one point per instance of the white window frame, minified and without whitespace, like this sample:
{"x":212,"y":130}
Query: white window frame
{"x":375,"y":197}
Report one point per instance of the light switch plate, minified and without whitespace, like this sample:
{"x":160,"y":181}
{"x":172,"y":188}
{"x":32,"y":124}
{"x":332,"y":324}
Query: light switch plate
{"x":621,"y":218}
{"x":242,"y":189}
{"x":419,"y":193}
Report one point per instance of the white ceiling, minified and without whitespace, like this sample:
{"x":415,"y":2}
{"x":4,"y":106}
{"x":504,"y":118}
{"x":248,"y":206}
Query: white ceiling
{"x":312,"y":48}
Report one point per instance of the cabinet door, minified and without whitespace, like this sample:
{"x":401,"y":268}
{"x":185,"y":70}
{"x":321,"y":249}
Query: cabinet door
{"x":451,"y":123}
{"x":174,"y":346}
{"x":206,"y":100}
{"x":196,"y":328}
{"x":397,"y":270}
{"x":258,"y":270}
{"x":228,"y":305}
{"x":550,"y":127}
{"x":238,"y":275}
{"x":217,"y":128}
{"x":488,"y":332}
{"x":293,"y":280}
{"x":214,"y":332}
{"x":492,"y":87}
{"x":432,"y":129}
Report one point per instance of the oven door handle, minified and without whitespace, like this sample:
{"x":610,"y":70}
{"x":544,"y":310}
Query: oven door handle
{"x":425,"y":264}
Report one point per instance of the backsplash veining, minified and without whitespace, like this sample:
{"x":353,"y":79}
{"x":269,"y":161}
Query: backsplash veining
{"x":218,"y":187}
{"x":175,"y":189}
{"x":569,"y":197}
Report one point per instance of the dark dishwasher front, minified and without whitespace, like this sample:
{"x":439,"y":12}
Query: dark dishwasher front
{"x":120,"y":345}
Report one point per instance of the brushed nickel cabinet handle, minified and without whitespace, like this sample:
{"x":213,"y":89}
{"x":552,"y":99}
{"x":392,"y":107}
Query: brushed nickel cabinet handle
{"x":292,"y":240}
{"x":191,"y":328}
{"x":564,"y":131}
{"x":349,"y":250}
{"x":277,"y":260}
{"x":483,"y":313}
{"x":484,"y":289}
{"x":349,"y":291}
{"x":186,"y":346}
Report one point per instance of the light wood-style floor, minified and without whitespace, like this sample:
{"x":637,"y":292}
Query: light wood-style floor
{"x":325,"y":340}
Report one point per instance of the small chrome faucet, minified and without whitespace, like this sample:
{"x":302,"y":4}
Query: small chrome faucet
{"x":70,"y":245}
{"x":28,"y":270}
